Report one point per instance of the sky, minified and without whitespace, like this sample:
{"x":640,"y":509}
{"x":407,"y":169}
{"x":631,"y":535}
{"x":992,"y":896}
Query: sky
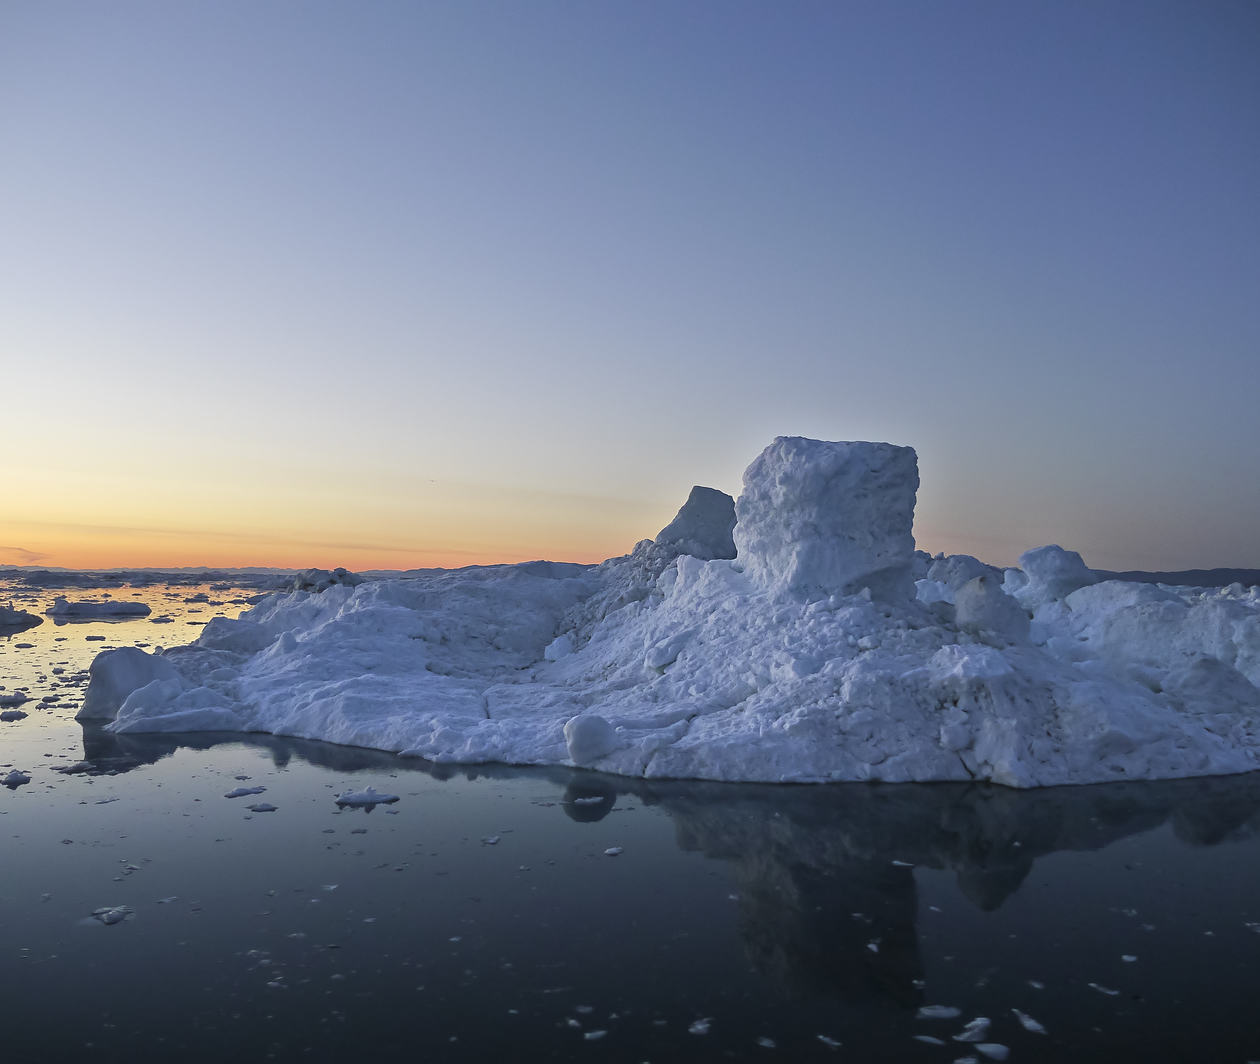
{"x":398,"y":284}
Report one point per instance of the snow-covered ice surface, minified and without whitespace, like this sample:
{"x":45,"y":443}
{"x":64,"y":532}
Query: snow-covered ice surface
{"x":825,"y":649}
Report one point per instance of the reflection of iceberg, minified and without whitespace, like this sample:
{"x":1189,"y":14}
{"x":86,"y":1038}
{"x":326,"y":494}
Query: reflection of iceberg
{"x":823,"y":874}
{"x":812,"y":655}
{"x":106,"y":752}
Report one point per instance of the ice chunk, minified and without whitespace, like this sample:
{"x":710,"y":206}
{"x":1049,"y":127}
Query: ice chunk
{"x":241,"y":792}
{"x":62,"y":607}
{"x":1052,"y":574}
{"x":957,"y":569}
{"x":937,"y":1012}
{"x":322,"y":579}
{"x":981,"y":606}
{"x":703,"y":526}
{"x":112,"y":914}
{"x":1028,"y":1023}
{"x":589,"y":737}
{"x":820,"y":518}
{"x":976,"y":1030}
{"x":114,"y":674}
{"x":15,"y":779}
{"x":366,"y":798}
{"x":15,"y":618}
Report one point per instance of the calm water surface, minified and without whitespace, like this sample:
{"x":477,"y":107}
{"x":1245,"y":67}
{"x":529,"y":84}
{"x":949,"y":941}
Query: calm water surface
{"x":480,"y":916}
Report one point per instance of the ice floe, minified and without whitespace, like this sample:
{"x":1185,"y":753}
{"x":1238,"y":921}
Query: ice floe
{"x":365,"y":798}
{"x":825,"y":649}
{"x":11,"y":617}
{"x":63,"y":607}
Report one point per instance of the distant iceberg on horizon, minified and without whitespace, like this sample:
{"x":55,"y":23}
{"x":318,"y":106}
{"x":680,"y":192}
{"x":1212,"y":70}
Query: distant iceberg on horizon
{"x":792,"y":635}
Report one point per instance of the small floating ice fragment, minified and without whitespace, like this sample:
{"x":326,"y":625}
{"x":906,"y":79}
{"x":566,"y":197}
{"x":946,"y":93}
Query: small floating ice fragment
{"x":1028,"y":1023}
{"x":594,"y":1036}
{"x":241,"y":792}
{"x":993,"y":1050}
{"x":831,"y":1043}
{"x":15,"y":779}
{"x":261,"y":807}
{"x":365,"y":798}
{"x":112,"y":914}
{"x":491,"y":840}
{"x":1128,"y":958}
{"x":929,"y":1039}
{"x":1103,"y":989}
{"x":12,"y":715}
{"x":613,"y":851}
{"x":701,"y":1026}
{"x":938,"y":1012}
{"x":974,"y":1031}
{"x":767,"y":1043}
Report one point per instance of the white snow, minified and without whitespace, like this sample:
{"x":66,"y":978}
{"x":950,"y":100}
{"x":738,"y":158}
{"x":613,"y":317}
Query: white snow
{"x":812,"y":655}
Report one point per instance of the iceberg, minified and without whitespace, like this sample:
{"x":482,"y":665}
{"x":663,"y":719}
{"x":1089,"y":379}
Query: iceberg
{"x":792,"y":645}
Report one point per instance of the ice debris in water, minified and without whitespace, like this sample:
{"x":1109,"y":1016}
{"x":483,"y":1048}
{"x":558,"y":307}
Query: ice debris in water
{"x":112,"y":914}
{"x":937,"y":1012}
{"x":261,"y":807}
{"x":700,"y":1026}
{"x":825,"y":649}
{"x":613,"y":851}
{"x":10,"y":715}
{"x":975,"y":1031}
{"x":1028,"y":1023}
{"x":993,"y":1050}
{"x":15,"y":779}
{"x":241,"y":792}
{"x":1103,"y":989}
{"x":365,"y":798}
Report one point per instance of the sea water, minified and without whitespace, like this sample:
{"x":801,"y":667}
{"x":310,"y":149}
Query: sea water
{"x":528,"y":914}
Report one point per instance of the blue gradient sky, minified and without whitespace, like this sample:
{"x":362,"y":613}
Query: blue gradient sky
{"x":391,"y":284}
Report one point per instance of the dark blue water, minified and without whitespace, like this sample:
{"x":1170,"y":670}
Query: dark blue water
{"x":480,"y":917}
